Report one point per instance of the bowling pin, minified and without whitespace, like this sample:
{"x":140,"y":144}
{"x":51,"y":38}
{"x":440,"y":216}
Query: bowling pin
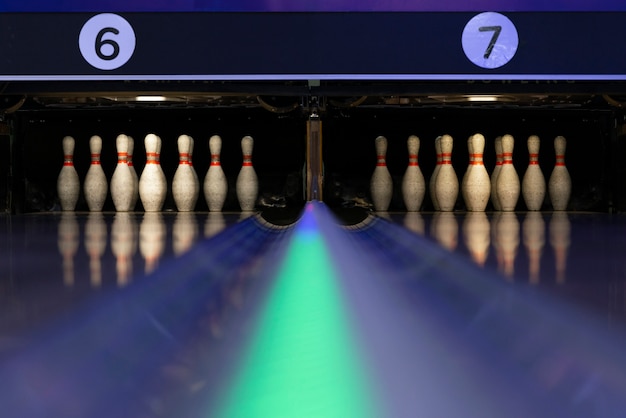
{"x":195,"y":174}
{"x":470,"y":164}
{"x":413,"y":184}
{"x":433,"y":177}
{"x":507,"y":184}
{"x":68,"y":184}
{"x":215,"y":183}
{"x":533,"y":182}
{"x":131,"y":146}
{"x":96,"y":185}
{"x":122,"y":182}
{"x":446,"y":183}
{"x":247,"y":186}
{"x":381,"y":184}
{"x":494,"y":175}
{"x":560,"y":183}
{"x":477,"y":187}
{"x":184,"y":187}
{"x":152,"y":182}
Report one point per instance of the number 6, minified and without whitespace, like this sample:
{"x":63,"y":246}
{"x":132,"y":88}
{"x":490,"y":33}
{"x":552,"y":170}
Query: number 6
{"x":101,"y":42}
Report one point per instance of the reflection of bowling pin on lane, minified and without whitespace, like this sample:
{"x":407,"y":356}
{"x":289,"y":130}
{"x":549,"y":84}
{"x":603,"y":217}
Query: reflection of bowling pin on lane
{"x":152,"y":182}
{"x":446,"y":183}
{"x":507,"y":184}
{"x":433,"y":177}
{"x":413,"y":184}
{"x":123,"y":242}
{"x":560,"y":183}
{"x":413,"y":221}
{"x":122,"y":182}
{"x":494,"y":175}
{"x":507,"y":236}
{"x":214,"y":224}
{"x":247,"y":186}
{"x":381,"y":185}
{"x":477,"y":187}
{"x":184,"y":187}
{"x":184,"y":232}
{"x":95,"y":243}
{"x":68,"y":240}
{"x":533,"y":237}
{"x":68,"y":184}
{"x":95,"y":186}
{"x":445,"y":229}
{"x":560,"y":241}
{"x":131,"y":146}
{"x":533,"y":182}
{"x":215,"y":183}
{"x":152,"y":236}
{"x":476,"y":231}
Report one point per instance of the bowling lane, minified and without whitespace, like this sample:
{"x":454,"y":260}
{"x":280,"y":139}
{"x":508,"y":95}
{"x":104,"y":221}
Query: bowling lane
{"x":348,"y":315}
{"x":54,"y":262}
{"x":574,"y":256}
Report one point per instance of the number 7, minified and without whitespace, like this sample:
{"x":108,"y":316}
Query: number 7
{"x":496,"y":33}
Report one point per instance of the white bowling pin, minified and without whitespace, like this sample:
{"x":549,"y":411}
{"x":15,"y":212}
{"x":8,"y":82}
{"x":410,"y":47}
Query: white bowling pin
{"x":477,"y":187}
{"x":131,"y":146}
{"x":507,"y":184}
{"x":215,"y":183}
{"x":446,"y":183}
{"x":381,"y":184}
{"x":184,"y":187}
{"x":533,"y":182}
{"x":96,"y":185}
{"x":195,"y":174}
{"x":413,"y":184}
{"x":122,"y":182}
{"x":494,"y":175}
{"x":560,"y":183}
{"x":152,"y":182}
{"x":433,"y":177}
{"x":247,"y":186}
{"x":68,"y":184}
{"x":469,"y":165}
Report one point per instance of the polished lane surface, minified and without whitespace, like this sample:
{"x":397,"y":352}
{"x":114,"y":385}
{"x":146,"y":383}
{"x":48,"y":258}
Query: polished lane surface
{"x":250,"y":319}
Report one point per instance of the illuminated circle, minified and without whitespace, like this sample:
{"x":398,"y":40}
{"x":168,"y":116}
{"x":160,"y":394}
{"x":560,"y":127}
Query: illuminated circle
{"x":490,"y":40}
{"x":107,"y":41}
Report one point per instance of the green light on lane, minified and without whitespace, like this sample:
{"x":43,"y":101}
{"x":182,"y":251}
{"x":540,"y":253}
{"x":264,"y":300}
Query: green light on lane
{"x":302,"y":362}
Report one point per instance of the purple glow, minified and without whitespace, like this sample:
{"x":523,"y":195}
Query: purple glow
{"x":311,"y":6}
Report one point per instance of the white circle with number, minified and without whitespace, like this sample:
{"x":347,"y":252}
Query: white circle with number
{"x":490,"y":40}
{"x":107,"y":41}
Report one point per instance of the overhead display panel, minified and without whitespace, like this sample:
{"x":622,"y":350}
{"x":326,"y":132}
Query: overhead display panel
{"x":312,"y":40}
